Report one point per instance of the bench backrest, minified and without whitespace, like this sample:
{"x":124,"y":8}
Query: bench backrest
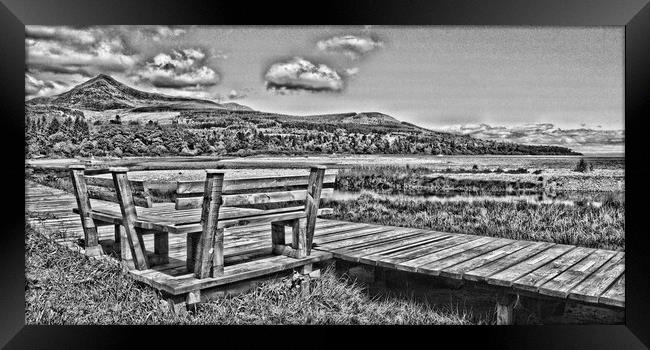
{"x":102,"y":188}
{"x":257,"y":191}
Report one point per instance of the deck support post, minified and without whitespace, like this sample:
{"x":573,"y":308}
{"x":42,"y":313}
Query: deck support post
{"x":129,"y":215}
{"x":312,"y":202}
{"x":209,"y":249}
{"x":506,"y":303}
{"x":92,"y":247}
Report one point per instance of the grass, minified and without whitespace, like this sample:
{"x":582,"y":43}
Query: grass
{"x":418,"y":180}
{"x":65,"y":287}
{"x":581,"y":224}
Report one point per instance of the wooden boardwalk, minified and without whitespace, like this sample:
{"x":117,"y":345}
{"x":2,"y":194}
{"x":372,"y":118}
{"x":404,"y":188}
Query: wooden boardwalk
{"x":588,"y":275}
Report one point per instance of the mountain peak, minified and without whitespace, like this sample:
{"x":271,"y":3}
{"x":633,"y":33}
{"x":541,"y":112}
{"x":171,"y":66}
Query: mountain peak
{"x":104,"y":92}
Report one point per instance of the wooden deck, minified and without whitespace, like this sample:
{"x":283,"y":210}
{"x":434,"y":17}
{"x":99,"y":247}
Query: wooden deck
{"x":587,"y":275}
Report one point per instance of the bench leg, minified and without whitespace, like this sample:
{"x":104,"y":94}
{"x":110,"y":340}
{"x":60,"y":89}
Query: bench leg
{"x":161,"y":248}
{"x":125,"y":250}
{"x":192,"y":245}
{"x":299,"y":237}
{"x":277,"y":234}
{"x":217,"y":254}
{"x":92,"y":247}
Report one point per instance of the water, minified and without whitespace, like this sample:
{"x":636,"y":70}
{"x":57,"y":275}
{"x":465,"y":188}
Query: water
{"x":572,"y":198}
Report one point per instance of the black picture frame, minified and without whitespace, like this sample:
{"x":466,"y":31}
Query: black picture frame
{"x":634,"y":15}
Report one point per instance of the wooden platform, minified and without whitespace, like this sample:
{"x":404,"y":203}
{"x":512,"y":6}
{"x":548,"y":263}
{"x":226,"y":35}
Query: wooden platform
{"x":587,"y":275}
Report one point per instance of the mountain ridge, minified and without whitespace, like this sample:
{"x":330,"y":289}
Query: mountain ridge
{"x":104,"y":92}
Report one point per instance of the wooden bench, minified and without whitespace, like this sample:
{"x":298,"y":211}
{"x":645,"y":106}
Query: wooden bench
{"x":202,"y":210}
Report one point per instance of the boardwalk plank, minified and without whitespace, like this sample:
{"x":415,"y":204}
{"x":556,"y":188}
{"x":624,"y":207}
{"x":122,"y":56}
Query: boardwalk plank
{"x":433,"y":250}
{"x":508,"y":276}
{"x":533,"y":280}
{"x":560,"y":285}
{"x":593,"y":286}
{"x":615,"y":295}
{"x":487,"y":270}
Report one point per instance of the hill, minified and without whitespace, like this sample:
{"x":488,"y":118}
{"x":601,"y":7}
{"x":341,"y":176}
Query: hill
{"x":104,"y":117}
{"x":103,"y":93}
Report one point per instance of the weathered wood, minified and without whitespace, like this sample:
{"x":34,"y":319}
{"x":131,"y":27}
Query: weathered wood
{"x":597,"y":283}
{"x":505,"y":309}
{"x":278,"y":233}
{"x":129,"y":216}
{"x":534,"y":279}
{"x":234,"y":200}
{"x":192,"y":242}
{"x":615,"y":294}
{"x":218,"y":260}
{"x":561,"y":284}
{"x":312,"y":201}
{"x":161,"y":247}
{"x":234,"y":186}
{"x":209,"y":217}
{"x":299,"y":236}
{"x":92,"y":247}
{"x":483,"y":272}
{"x":508,"y":276}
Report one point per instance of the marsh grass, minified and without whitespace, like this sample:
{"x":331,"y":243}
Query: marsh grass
{"x":426,"y":180}
{"x":65,"y":287}
{"x":581,"y":224}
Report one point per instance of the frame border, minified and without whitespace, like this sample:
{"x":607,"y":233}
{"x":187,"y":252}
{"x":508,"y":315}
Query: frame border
{"x":633,"y":14}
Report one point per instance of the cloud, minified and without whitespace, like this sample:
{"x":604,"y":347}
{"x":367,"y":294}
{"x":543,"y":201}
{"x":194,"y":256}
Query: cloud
{"x":67,"y":50}
{"x":352,"y":46}
{"x":350,"y":72}
{"x":157,"y":33}
{"x":183,"y":68}
{"x":236,"y":95}
{"x":64,"y":34}
{"x":35,"y":87}
{"x":300,"y":74}
{"x":582,"y":140}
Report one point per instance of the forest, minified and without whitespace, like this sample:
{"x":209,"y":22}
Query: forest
{"x":243,"y":134}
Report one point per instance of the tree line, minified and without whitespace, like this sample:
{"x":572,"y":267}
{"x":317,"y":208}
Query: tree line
{"x":71,"y":137}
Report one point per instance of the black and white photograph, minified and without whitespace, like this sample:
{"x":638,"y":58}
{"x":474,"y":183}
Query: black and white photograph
{"x":324,"y":175}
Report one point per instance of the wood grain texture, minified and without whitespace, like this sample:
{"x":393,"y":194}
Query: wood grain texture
{"x":312,"y":202}
{"x":208,"y":248}
{"x":129,"y":215}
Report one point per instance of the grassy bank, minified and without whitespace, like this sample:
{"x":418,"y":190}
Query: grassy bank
{"x":580,"y":224}
{"x":417,"y":180}
{"x":65,"y":287}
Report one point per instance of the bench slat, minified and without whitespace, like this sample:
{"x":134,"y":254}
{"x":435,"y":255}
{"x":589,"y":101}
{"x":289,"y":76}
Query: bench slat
{"x":252,"y":198}
{"x":232,"y":186}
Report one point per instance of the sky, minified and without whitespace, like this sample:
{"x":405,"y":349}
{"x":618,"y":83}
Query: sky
{"x":535,"y":85}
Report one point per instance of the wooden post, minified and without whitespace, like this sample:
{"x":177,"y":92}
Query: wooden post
{"x":277,"y":234}
{"x":129,"y":215}
{"x":125,"y":250}
{"x":316,"y":177}
{"x":505,"y":308}
{"x":92,"y":246}
{"x":299,"y":235}
{"x":210,"y":248}
{"x":192,"y":243}
{"x":161,"y":247}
